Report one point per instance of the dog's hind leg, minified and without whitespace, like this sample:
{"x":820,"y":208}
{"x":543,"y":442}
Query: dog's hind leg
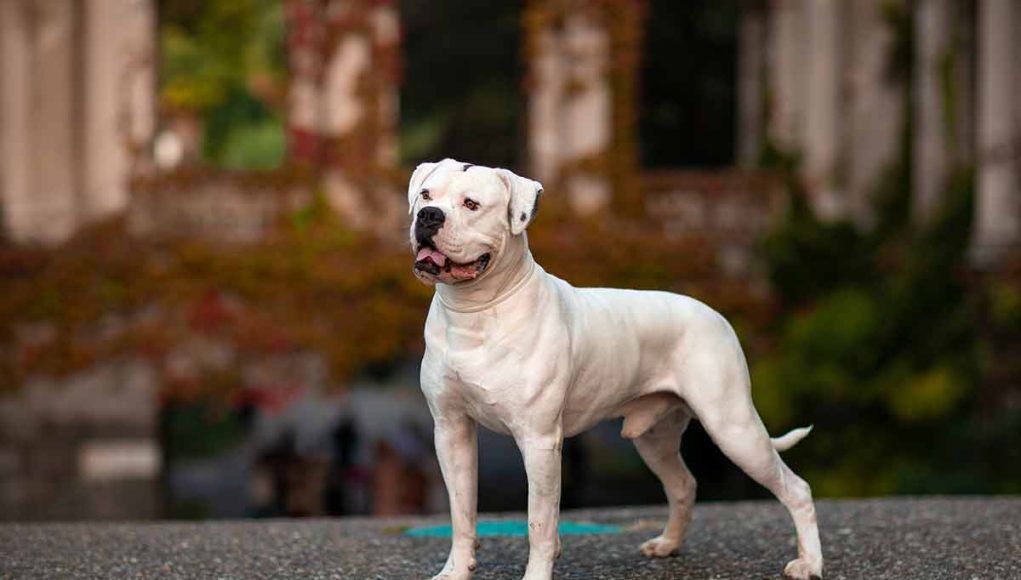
{"x":740,"y":434}
{"x":659,"y":447}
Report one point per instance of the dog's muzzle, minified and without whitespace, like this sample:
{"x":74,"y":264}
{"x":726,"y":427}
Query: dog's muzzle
{"x":430,"y":261}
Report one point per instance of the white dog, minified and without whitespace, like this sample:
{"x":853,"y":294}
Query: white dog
{"x":526,"y":354}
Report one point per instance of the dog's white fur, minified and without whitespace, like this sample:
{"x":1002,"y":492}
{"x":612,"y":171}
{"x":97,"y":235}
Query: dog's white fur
{"x":525,"y":353}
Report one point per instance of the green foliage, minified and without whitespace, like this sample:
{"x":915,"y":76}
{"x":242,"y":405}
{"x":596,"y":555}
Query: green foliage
{"x":243,"y":133}
{"x":225,"y":62}
{"x":881,"y":346}
{"x":1005,"y":306}
{"x":258,"y":145}
{"x":809,"y":258}
{"x":190,"y":80}
{"x":207,"y":52}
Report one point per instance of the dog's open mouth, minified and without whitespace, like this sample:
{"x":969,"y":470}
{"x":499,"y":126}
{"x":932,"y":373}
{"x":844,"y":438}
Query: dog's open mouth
{"x":432,"y":261}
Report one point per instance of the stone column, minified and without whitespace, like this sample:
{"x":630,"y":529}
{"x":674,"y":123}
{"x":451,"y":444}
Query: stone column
{"x":306,"y":34}
{"x":822,"y":127}
{"x":386,"y":39}
{"x":55,"y":101}
{"x":343,"y":99}
{"x":547,"y":85}
{"x":583,"y":60}
{"x":786,"y":46}
{"x":751,"y":85}
{"x":1015,"y":16}
{"x":119,"y":99}
{"x":40,"y":130}
{"x":15,"y":119}
{"x":998,"y":207}
{"x":932,"y":140}
{"x":587,"y":113}
{"x":875,"y":106}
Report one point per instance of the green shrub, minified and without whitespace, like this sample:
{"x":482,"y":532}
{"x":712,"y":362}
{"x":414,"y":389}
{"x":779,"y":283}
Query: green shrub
{"x":880,"y":346}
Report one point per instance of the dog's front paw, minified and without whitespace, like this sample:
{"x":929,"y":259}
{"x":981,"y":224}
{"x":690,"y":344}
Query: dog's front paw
{"x":660,"y":547}
{"x":453,"y":575}
{"x":801,"y":569}
{"x":452,"y":572}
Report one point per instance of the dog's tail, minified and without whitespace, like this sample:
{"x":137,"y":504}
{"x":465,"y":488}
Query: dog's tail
{"x":785,"y":442}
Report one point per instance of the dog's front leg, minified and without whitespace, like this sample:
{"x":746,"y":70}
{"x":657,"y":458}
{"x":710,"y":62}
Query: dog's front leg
{"x":542,"y":465}
{"x":456,"y":449}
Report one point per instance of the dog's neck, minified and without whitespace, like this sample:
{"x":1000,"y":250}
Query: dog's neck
{"x":512,"y":269}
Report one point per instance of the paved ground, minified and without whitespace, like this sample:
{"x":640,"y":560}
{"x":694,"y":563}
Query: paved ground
{"x":928,"y":539}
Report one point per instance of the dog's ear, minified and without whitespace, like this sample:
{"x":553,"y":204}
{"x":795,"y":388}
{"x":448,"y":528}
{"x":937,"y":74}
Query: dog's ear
{"x":415,"y":183}
{"x":524,"y":199}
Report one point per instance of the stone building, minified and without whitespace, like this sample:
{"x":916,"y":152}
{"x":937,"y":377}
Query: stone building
{"x":77,"y":111}
{"x":817,"y":80}
{"x":821,"y":79}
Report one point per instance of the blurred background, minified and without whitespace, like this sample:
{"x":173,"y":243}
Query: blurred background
{"x":206,"y":304}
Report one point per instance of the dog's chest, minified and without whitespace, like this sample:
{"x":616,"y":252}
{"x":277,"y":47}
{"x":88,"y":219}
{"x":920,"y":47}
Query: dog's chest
{"x":466,"y":354}
{"x":481,"y":363}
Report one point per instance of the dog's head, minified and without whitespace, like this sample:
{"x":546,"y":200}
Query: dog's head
{"x":462,"y":217}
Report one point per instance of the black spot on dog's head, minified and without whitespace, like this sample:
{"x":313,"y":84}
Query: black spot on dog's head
{"x":524,"y":216}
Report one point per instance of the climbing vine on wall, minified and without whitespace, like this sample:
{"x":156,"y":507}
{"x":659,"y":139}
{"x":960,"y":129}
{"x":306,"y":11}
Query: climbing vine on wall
{"x":312,"y":284}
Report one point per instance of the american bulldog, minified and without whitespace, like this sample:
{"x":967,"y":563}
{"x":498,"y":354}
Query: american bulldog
{"x":524,"y":353}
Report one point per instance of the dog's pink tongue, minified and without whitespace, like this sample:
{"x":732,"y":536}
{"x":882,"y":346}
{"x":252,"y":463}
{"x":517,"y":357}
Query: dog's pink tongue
{"x":436,"y":257}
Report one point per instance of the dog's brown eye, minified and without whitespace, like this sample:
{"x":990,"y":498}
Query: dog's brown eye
{"x":425,"y":195}
{"x":471,"y":204}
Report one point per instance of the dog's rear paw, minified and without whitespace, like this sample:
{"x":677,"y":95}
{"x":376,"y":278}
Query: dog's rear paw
{"x":660,"y":547}
{"x":802,"y":570}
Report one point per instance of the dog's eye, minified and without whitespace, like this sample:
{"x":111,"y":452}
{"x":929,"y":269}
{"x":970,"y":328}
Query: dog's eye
{"x":471,"y":204}
{"x":425,"y":195}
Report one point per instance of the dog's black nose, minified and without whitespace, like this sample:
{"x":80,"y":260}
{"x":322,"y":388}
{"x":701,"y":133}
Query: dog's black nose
{"x":430,"y":219}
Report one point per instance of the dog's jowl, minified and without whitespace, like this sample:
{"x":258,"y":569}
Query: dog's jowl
{"x":527,"y":354}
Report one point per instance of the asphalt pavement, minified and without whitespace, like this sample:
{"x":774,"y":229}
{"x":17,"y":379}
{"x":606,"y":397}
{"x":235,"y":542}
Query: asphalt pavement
{"x":902,"y":538}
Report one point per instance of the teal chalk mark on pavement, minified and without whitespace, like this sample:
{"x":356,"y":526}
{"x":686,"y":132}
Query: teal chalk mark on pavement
{"x":513,"y":528}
